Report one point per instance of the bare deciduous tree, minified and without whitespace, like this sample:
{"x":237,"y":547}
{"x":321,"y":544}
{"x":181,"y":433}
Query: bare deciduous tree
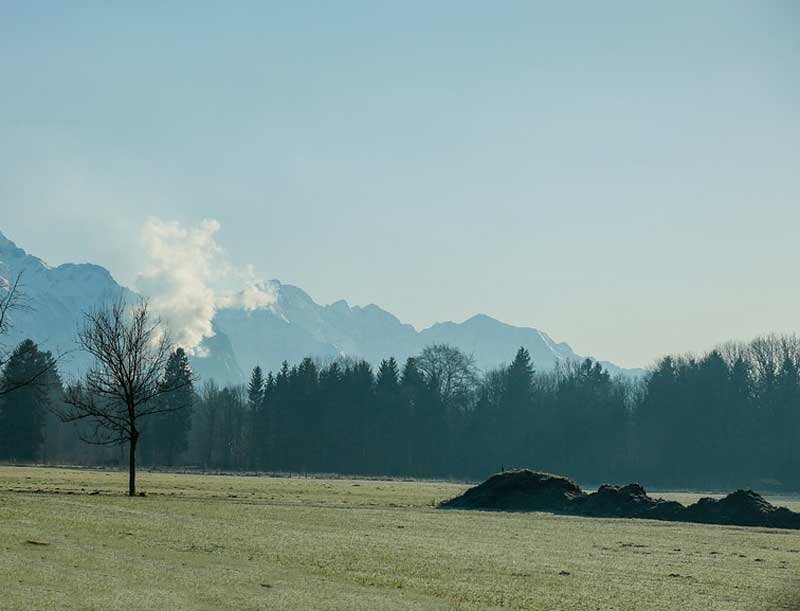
{"x":131,"y":350}
{"x":454,"y":372}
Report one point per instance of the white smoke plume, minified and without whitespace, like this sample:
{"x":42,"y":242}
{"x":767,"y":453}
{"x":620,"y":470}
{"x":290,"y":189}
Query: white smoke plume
{"x":188,"y":276}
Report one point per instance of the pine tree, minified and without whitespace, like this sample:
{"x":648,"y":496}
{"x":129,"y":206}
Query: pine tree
{"x":306,"y":416}
{"x":517,"y":407}
{"x":519,"y":384}
{"x":412,"y":387}
{"x":281,"y":420}
{"x":255,"y":389}
{"x":23,"y":409}
{"x":358,"y":415}
{"x":388,"y":422}
{"x":255,"y":404}
{"x":334,"y":425}
{"x":786,"y":419}
{"x":265,"y":430}
{"x":170,"y":429}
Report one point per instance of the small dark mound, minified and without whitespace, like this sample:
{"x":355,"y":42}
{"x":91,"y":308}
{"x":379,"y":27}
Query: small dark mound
{"x":522,"y":490}
{"x":741,"y":508}
{"x":629,"y":501}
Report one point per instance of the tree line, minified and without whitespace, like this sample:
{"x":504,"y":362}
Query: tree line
{"x":728,"y":418}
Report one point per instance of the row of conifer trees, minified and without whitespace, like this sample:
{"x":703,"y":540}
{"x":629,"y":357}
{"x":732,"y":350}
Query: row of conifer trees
{"x":728,"y":418}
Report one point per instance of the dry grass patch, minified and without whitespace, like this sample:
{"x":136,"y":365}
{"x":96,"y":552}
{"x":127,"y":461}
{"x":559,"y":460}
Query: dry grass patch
{"x":210,"y":542}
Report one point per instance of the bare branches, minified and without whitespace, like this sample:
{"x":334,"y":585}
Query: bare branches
{"x":130,"y":351}
{"x":81,"y":404}
{"x":454,"y":372}
{"x":127,"y":381}
{"x":12,"y":299}
{"x":100,"y":436}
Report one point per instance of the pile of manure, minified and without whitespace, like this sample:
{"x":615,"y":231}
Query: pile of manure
{"x":741,"y":508}
{"x":526,"y":490}
{"x":629,"y":501}
{"x":522,"y":490}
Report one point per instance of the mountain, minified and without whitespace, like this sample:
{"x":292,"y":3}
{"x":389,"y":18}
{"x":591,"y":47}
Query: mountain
{"x":489,"y":340}
{"x":296,"y":326}
{"x":293,"y":327}
{"x":55,"y":299}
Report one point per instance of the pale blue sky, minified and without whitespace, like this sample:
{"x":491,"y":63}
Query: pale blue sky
{"x":624,"y":177}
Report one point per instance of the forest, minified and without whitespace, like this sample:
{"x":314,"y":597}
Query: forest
{"x":725,"y":419}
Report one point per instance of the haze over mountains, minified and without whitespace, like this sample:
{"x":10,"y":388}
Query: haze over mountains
{"x":290,"y":328}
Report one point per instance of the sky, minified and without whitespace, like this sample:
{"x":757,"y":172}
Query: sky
{"x":624,"y":177}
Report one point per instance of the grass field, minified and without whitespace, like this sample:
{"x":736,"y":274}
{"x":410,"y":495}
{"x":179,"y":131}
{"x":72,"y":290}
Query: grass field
{"x":69,"y":539}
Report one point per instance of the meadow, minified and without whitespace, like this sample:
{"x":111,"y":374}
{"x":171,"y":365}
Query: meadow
{"x":70,"y":539}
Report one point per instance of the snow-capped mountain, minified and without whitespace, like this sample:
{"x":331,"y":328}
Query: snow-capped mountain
{"x":293,"y":327}
{"x":296,"y":326}
{"x":55,"y":299}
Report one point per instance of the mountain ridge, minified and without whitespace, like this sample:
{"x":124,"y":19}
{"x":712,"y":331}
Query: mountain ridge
{"x":292,"y":327}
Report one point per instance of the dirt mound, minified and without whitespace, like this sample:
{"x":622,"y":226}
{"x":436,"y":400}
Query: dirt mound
{"x":629,"y":501}
{"x":527,"y":490}
{"x":741,"y":508}
{"x":522,"y":490}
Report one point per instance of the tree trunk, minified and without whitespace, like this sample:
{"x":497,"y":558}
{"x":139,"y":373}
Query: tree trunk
{"x":132,"y":464}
